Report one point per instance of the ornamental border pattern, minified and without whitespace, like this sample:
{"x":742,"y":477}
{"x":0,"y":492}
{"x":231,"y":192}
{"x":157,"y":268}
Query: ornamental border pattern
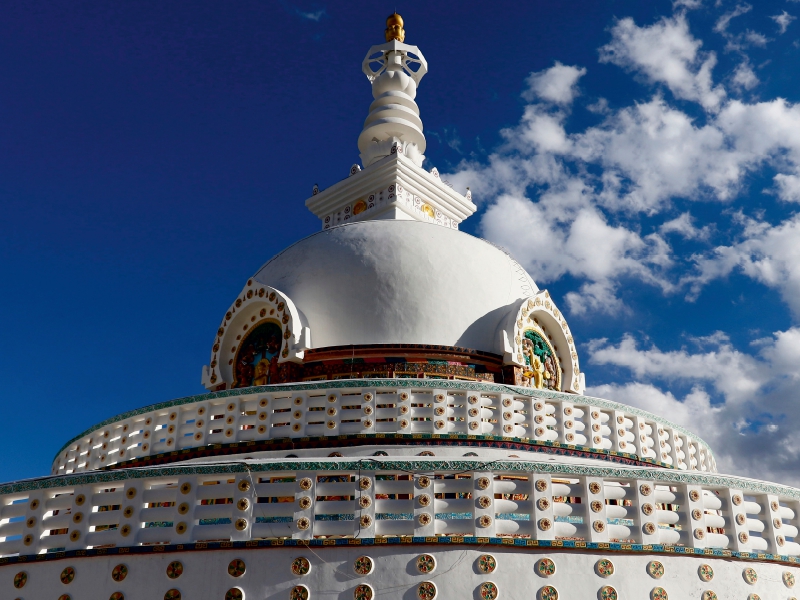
{"x":557,"y":545}
{"x":444,"y":384}
{"x":389,"y":439}
{"x":657,"y":475}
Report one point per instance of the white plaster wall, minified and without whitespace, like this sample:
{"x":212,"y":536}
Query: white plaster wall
{"x":395,"y":576}
{"x":398,"y":282}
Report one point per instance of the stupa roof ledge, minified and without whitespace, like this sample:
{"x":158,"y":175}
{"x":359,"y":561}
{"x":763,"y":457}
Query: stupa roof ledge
{"x":392,"y":182}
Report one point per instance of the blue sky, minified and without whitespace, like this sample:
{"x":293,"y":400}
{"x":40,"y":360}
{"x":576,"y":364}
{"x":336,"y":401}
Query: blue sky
{"x":641,"y":159}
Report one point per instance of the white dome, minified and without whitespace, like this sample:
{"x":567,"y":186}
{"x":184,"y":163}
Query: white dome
{"x":399,"y":282}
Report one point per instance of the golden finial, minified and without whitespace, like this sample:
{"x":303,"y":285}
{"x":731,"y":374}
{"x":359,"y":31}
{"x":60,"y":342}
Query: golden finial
{"x":394,"y":28}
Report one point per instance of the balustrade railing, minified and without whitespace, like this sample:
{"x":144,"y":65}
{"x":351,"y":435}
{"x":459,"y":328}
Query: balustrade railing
{"x":385,"y":407}
{"x":373,"y":498}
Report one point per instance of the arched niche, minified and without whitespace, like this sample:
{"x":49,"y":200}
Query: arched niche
{"x":535,"y":327}
{"x":262,"y":329}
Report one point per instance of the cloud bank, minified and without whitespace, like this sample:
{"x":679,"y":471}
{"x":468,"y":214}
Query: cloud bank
{"x":604,"y":204}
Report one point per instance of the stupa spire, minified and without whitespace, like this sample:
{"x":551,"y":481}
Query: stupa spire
{"x":393,"y":184}
{"x":394,"y":69}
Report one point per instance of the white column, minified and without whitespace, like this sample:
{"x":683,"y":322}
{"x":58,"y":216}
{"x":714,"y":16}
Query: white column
{"x":304,"y":496}
{"x":483,"y":497}
{"x":645,"y":521}
{"x":594,"y":509}
{"x":544,"y":524}
{"x":424,"y":520}
{"x":736,"y":519}
{"x":693,"y":516}
{"x":364,"y":513}
{"x":244,"y":497}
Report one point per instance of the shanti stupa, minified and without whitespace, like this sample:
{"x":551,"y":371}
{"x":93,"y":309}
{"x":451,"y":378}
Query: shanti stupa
{"x":394,"y":411}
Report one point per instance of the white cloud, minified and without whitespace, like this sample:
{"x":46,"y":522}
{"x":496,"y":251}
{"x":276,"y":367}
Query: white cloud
{"x":666,"y":52}
{"x":783,"y":21}
{"x":788,"y":187}
{"x":766,"y":253}
{"x":686,"y":4}
{"x":598,"y":297}
{"x":651,"y":152}
{"x":741,"y":405}
{"x":599,"y":107}
{"x":315,"y":15}
{"x":744,"y":77}
{"x":684,"y":226}
{"x":599,"y":204}
{"x":572,"y":237}
{"x":539,"y":130}
{"x":735,"y":374}
{"x":639,"y":159}
{"x":762,"y":130}
{"x":740,"y":41}
{"x":754,"y":38}
{"x":558,"y":84}
{"x":722,"y":23}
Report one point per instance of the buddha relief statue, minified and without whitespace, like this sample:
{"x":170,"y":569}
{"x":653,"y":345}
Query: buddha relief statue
{"x":261,"y":376}
{"x":534,"y":371}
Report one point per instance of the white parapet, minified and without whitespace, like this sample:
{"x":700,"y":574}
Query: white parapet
{"x":386,"y":407}
{"x":371,"y":498}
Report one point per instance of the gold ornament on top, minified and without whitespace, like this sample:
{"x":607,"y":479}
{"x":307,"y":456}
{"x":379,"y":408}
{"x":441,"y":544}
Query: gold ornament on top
{"x":394,"y":28}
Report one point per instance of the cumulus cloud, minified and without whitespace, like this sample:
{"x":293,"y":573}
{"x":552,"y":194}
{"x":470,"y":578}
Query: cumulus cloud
{"x":652,"y":152}
{"x":684,"y":226}
{"x":788,"y":187}
{"x":666,"y":53}
{"x":769,"y":254}
{"x":574,"y":234}
{"x":584,"y":190}
{"x":783,"y":21}
{"x":558,"y":84}
{"x":744,"y":77}
{"x":741,"y":404}
{"x":575,"y":238}
{"x":602,"y":202}
{"x":733,"y":373}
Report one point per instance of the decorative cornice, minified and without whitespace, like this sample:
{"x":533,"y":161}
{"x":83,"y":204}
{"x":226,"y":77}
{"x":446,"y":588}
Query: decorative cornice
{"x":658,"y":475}
{"x":443,"y":542}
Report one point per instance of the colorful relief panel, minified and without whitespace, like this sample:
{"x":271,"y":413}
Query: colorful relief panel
{"x":396,"y":368}
{"x":541,"y":370}
{"x":257,"y":360}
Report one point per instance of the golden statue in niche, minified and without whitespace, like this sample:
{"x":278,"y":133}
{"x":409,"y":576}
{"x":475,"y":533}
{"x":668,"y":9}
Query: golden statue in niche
{"x":534,"y":371}
{"x":256,"y":362}
{"x":541,"y":369}
{"x":261,"y":376}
